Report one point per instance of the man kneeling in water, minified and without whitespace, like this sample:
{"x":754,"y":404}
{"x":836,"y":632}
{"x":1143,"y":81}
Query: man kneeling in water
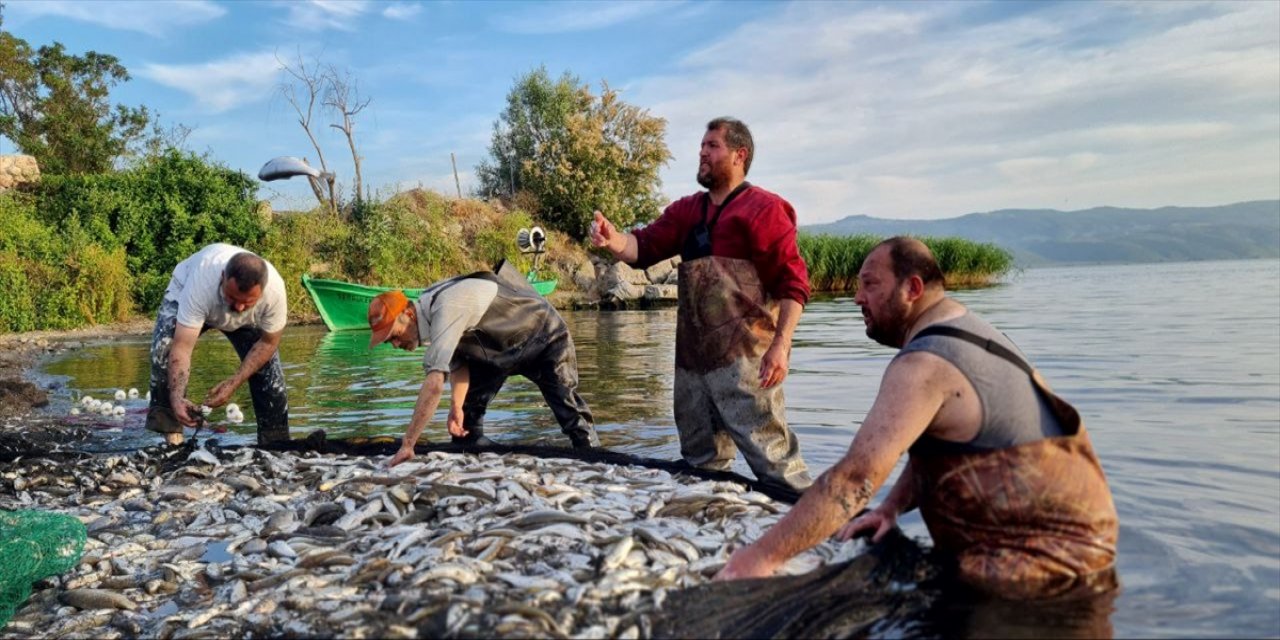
{"x":1001,"y":468}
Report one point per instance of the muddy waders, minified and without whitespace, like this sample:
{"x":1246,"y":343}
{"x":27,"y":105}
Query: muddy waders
{"x":725,"y":323}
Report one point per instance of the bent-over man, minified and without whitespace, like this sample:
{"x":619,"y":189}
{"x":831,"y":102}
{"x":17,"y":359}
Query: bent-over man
{"x":1002,"y":469}
{"x":480,"y":329}
{"x":226,"y":288}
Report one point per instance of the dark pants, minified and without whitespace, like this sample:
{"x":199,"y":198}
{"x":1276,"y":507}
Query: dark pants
{"x":554,"y":368}
{"x":266,"y":385}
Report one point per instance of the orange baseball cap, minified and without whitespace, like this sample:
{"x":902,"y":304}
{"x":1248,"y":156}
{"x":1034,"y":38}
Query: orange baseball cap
{"x":383,"y":311}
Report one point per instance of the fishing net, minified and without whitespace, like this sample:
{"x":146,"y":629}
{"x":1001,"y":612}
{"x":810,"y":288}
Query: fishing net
{"x":34,"y":545}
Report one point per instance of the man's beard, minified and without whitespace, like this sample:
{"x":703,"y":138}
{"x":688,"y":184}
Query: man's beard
{"x":713,"y":179}
{"x":889,"y":326}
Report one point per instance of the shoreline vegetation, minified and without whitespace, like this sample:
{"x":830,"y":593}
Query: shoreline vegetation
{"x":834,"y":261}
{"x":80,"y":251}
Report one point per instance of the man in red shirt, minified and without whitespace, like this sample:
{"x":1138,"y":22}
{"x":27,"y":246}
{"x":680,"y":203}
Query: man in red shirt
{"x":743,"y":286}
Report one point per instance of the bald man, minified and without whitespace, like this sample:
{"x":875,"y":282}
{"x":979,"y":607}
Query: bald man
{"x":1001,"y":468}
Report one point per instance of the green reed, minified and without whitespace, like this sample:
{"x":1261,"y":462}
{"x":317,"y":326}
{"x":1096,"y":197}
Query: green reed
{"x":834,"y":261}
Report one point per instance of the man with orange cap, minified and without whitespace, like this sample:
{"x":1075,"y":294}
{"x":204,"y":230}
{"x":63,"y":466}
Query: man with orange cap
{"x":480,"y":329}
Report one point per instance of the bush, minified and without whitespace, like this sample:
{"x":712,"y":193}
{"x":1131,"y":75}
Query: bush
{"x":159,"y":213}
{"x":56,"y":280}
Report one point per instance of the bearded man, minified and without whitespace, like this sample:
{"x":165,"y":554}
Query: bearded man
{"x":1001,"y":468}
{"x":743,"y":286}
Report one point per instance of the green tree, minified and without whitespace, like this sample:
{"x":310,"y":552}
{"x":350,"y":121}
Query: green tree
{"x":575,"y":152}
{"x":57,"y":107}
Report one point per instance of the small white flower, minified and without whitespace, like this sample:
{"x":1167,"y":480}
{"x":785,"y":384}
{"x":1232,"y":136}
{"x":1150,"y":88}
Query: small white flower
{"x":86,"y":400}
{"x":120,"y":395}
{"x":118,"y":411}
{"x":133,"y":393}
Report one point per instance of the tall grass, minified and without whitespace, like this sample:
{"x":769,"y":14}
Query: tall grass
{"x":834,"y":261}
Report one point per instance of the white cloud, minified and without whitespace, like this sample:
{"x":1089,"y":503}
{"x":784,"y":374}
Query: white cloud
{"x":152,"y":18}
{"x":223,"y":84}
{"x":401,"y":11}
{"x":581,"y":15}
{"x":924,"y":110}
{"x":319,"y":15}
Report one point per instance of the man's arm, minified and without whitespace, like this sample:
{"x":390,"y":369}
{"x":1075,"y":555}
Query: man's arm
{"x":776,"y":361}
{"x":258,"y":356}
{"x":878,"y":521}
{"x":428,"y":399}
{"x":459,"y":382}
{"x":909,"y":398}
{"x":184,"y":343}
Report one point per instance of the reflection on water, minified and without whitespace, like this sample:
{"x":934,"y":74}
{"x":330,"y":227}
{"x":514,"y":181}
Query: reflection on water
{"x":1175,"y":368}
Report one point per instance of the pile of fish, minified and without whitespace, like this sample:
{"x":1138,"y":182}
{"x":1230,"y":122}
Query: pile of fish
{"x":251,"y":542}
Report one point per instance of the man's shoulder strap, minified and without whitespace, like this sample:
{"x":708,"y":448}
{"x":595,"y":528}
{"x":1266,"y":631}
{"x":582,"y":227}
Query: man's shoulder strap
{"x":993,"y":347}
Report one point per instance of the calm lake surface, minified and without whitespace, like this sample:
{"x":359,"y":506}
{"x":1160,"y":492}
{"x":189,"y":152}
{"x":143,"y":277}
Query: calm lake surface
{"x":1175,"y":368}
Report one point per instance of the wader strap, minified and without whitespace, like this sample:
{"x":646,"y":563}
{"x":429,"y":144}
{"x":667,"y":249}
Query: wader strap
{"x":995,"y":348}
{"x":706,"y":198}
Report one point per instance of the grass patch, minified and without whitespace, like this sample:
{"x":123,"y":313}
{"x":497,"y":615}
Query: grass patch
{"x":834,"y":261}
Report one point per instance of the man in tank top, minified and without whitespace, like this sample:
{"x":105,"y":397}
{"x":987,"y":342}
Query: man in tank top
{"x":1001,"y":468}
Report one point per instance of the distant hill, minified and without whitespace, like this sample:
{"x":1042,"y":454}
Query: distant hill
{"x":1100,"y":235}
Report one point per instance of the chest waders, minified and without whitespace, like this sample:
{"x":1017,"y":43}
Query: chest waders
{"x":724,"y":324}
{"x":521,"y":334}
{"x":1032,"y":520}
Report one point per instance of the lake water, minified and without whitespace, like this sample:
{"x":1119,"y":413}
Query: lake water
{"x":1175,"y":368}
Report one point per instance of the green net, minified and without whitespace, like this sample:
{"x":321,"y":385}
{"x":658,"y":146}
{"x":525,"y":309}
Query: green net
{"x":34,"y":545}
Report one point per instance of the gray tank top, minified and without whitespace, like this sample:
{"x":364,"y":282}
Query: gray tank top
{"x":1013,"y":410}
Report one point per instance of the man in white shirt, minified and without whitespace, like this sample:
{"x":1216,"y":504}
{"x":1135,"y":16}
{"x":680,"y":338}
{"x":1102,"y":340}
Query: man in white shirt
{"x":479,"y":329}
{"x":226,"y":288}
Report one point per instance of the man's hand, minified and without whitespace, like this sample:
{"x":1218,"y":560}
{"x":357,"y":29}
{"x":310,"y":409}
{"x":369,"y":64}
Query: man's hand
{"x":403,"y":455}
{"x":604,"y":234}
{"x":455,"y":423}
{"x":186,"y":411}
{"x":220,"y":394}
{"x":747,"y":562}
{"x":874,"y":522}
{"x":773,"y":366}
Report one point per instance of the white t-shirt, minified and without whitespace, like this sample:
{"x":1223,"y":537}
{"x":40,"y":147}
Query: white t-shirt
{"x":456,"y":309}
{"x":197,"y":286}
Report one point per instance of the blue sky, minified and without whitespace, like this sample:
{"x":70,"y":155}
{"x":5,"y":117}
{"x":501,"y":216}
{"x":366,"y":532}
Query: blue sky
{"x":896,"y":110}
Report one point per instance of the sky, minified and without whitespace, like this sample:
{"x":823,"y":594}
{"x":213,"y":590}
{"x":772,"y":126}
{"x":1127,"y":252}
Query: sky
{"x":908,"y":110}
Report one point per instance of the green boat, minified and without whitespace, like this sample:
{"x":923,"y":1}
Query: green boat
{"x":344,"y":306}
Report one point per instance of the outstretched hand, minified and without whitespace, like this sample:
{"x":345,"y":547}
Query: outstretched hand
{"x":455,"y":423}
{"x":220,"y":394}
{"x":875,"y":523}
{"x":604,"y":234}
{"x":403,"y":455}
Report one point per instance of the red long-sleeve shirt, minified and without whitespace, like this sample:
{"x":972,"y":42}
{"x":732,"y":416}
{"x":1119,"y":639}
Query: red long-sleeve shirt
{"x":758,"y":226}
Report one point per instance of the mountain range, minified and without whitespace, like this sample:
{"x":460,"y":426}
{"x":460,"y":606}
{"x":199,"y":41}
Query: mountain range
{"x":1243,"y":230}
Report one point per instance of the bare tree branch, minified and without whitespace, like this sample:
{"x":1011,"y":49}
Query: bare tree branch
{"x":343,"y":96}
{"x":302,"y":92}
